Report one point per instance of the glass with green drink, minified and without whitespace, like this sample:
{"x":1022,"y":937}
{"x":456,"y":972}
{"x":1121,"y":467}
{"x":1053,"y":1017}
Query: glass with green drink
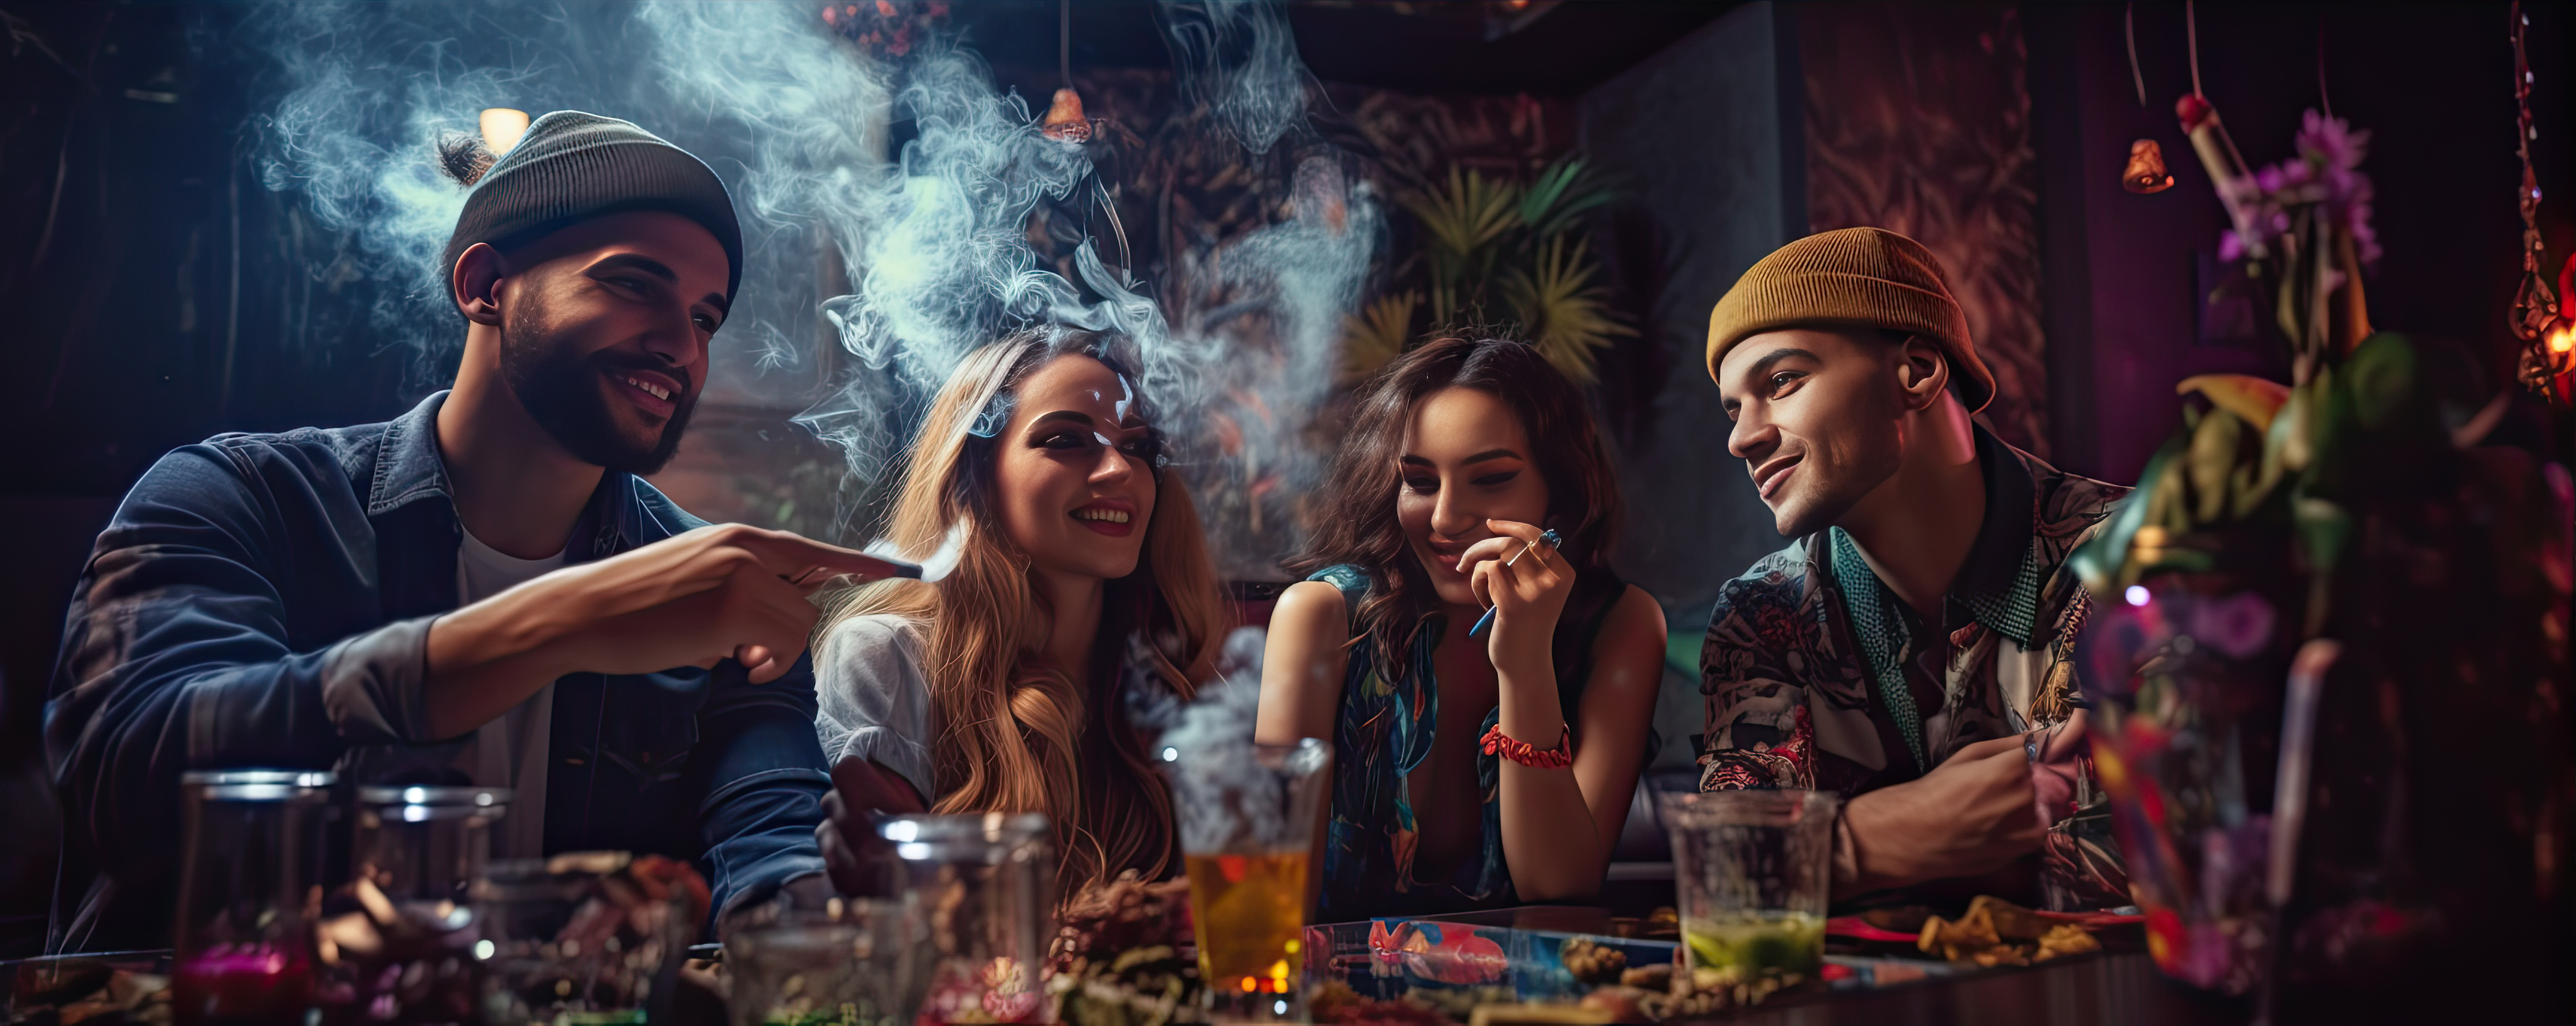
{"x":1752,"y":871}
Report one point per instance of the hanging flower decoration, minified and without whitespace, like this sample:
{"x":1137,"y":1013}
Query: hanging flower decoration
{"x":2324,"y":177}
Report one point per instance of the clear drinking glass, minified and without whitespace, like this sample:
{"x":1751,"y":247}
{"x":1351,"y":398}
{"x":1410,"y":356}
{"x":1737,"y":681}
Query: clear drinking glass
{"x":397,"y":943}
{"x":984,"y":886}
{"x":1247,"y":816}
{"x":580,"y":938}
{"x":1752,"y":871}
{"x":249,"y":877}
{"x":851,"y":962}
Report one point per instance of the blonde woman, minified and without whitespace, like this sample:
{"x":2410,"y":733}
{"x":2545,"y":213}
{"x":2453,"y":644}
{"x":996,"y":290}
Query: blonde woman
{"x":999,"y":688}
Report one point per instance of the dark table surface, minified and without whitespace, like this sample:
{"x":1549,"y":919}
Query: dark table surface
{"x":2112,"y":989}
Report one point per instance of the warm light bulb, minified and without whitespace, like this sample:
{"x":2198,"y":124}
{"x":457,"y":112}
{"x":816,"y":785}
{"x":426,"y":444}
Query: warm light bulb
{"x":2562,"y":339}
{"x":502,"y":128}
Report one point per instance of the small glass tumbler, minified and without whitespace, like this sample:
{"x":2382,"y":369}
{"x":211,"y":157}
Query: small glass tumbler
{"x":397,"y":943}
{"x":581,"y":938}
{"x":984,"y":886}
{"x":1247,"y":815}
{"x":248,"y":880}
{"x":1752,"y":872}
{"x":851,"y":962}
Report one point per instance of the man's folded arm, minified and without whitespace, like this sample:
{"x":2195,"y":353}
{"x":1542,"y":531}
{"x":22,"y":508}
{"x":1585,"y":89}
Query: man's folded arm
{"x":176,"y":655}
{"x":764,"y":786}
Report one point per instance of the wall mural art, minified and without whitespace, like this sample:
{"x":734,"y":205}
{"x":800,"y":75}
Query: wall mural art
{"x":1918,"y":121}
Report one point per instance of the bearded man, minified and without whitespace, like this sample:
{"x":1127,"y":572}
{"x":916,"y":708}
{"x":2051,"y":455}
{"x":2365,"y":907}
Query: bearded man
{"x":479,"y":591}
{"x":1913,"y":649}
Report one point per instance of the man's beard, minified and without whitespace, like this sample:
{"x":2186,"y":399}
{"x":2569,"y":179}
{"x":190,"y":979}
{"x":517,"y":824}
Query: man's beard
{"x":563,"y":390}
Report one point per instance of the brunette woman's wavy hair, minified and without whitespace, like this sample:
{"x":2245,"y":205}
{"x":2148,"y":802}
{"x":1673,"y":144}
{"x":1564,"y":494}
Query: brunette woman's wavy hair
{"x":1013,"y":733}
{"x":1356,"y":523}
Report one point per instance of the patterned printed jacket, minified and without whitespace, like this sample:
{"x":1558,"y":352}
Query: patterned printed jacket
{"x":1799,"y":680}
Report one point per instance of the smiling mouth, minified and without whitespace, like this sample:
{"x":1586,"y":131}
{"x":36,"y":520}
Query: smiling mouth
{"x":1768,"y":484}
{"x":1111,"y":520}
{"x":1446,"y":557}
{"x":651,"y":393}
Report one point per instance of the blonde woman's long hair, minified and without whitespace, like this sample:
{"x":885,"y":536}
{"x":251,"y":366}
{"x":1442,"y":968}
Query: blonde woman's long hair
{"x":1013,"y":733}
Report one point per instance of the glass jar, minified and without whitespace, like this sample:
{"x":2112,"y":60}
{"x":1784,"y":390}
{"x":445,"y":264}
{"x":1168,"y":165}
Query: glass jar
{"x":248,"y":882}
{"x":399,"y":942}
{"x":841,"y":961}
{"x":583,"y":937}
{"x":984,"y":885}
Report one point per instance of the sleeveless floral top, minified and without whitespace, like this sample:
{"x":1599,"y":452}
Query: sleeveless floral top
{"x":1382,"y":734}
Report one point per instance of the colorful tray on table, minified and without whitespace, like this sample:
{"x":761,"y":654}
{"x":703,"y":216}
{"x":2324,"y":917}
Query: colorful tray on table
{"x":1515,"y":956}
{"x":1390,"y":958}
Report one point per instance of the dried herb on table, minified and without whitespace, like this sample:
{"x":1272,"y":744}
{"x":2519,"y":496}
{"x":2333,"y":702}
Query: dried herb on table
{"x":1124,"y":955}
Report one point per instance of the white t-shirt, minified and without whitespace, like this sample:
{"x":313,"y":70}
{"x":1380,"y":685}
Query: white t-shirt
{"x":511,"y":750}
{"x":872,"y":698}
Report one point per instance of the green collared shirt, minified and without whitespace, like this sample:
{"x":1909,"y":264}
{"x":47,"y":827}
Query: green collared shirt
{"x":1999,"y":587}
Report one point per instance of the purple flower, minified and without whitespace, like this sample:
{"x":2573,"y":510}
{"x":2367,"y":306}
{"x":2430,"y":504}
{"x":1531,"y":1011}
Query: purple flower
{"x":2331,"y":141}
{"x":2365,"y":242}
{"x":2239,"y":625}
{"x":2208,"y":955}
{"x":2231,"y":248}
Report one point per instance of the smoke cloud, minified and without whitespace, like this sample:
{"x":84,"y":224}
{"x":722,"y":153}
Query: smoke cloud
{"x":1232,"y":795}
{"x":1241,"y":61}
{"x":886,"y":267}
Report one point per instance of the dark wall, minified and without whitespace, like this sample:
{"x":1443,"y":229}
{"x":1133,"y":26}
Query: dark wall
{"x":155,"y":295}
{"x":2431,"y":82}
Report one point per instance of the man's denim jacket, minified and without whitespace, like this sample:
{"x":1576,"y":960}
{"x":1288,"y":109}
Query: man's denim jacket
{"x":265,"y":601}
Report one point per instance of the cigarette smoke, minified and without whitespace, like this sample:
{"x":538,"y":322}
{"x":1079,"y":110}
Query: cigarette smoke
{"x":887,"y":267}
{"x":1230,"y":795}
{"x":363,"y":90}
{"x":1241,"y":61}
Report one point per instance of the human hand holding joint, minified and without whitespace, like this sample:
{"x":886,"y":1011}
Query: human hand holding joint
{"x":724,"y":591}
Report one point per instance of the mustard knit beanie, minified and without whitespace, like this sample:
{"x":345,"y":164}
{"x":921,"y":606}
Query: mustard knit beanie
{"x":1855,"y":277}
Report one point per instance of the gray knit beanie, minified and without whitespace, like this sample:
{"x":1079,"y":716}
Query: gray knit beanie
{"x":572,"y":166}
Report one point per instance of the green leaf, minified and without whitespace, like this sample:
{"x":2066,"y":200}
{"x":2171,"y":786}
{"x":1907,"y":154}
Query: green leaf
{"x":2325,"y":528}
{"x":2101,"y":562}
{"x":1561,"y":193}
{"x":1468,"y":215}
{"x":2212,"y":463}
{"x":1378,"y":333}
{"x":2381,"y":378}
{"x":1560,"y":310}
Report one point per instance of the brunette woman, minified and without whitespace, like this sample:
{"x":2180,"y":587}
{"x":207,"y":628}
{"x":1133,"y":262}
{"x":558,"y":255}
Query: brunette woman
{"x":998,"y":688}
{"x":1470,"y":772}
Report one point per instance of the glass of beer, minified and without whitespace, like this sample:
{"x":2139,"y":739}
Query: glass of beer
{"x":1752,"y":871}
{"x":1247,"y":816}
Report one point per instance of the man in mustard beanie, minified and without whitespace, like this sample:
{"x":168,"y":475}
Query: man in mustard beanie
{"x":1912,"y":648}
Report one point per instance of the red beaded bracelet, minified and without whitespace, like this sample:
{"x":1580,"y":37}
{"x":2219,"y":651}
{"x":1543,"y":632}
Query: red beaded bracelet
{"x":1559,"y":757}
